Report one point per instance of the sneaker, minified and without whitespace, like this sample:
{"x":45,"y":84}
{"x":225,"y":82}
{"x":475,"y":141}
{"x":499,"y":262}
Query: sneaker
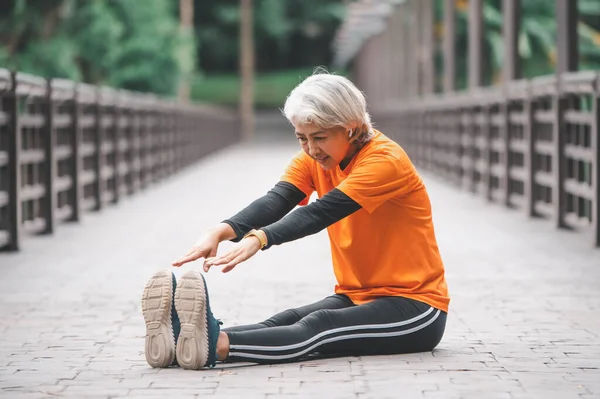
{"x":161,"y":319}
{"x":197,"y":344}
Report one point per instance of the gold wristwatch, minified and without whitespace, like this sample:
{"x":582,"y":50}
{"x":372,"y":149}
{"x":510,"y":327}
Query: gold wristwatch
{"x":261,"y":235}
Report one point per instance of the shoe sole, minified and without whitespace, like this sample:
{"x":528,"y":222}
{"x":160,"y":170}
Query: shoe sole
{"x":190,"y":303}
{"x":156,"y":308}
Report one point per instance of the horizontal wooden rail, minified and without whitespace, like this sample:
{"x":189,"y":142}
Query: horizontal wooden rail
{"x":532,"y":145}
{"x":67,"y":147}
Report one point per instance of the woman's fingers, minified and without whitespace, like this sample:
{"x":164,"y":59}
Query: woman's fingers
{"x":232,"y":258}
{"x":211,"y":255}
{"x":181,"y":261}
{"x":207,"y":264}
{"x":190,"y":256}
{"x":223,"y":260}
{"x":236,"y":260}
{"x":210,"y":262}
{"x":229,"y":267}
{"x":241,"y":257}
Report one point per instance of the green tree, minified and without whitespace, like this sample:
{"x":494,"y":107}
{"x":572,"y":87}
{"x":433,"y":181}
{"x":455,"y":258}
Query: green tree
{"x":536,"y":41}
{"x":288,"y":34}
{"x":111,"y":42}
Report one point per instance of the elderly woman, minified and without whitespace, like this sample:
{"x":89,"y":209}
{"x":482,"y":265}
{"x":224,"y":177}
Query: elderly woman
{"x":391,"y":295}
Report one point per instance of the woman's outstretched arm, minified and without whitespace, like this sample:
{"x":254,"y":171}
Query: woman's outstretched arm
{"x":310,"y":219}
{"x":265,"y":210}
{"x":334,"y":206}
{"x":269,"y":208}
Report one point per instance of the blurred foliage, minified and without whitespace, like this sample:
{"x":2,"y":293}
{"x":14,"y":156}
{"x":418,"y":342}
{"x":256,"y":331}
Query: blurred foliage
{"x":291,"y":37}
{"x":536,"y":41}
{"x":288,"y":34}
{"x":270,"y":88}
{"x":107,"y":42}
{"x":140,"y":45}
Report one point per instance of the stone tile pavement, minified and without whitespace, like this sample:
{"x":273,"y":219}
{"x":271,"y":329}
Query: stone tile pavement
{"x":524,"y":319}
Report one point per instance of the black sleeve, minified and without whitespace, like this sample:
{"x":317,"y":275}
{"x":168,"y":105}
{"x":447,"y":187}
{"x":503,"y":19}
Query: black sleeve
{"x":266,"y":210}
{"x":311,"y":219}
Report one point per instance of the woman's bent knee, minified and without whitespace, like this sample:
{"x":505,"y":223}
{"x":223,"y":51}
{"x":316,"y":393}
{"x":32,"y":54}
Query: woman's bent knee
{"x":285,"y":318}
{"x":438,"y":327}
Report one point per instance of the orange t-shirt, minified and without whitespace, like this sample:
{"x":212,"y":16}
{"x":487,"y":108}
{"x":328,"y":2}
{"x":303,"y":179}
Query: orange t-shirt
{"x":387,"y":248}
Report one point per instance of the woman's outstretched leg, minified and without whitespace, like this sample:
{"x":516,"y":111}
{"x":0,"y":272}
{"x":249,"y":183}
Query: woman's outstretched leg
{"x":291,"y":316}
{"x":201,"y":339}
{"x":387,"y":325}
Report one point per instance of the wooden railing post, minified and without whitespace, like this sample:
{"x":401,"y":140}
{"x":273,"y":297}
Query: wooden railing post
{"x":595,"y":145}
{"x":189,"y":151}
{"x":116,"y":111}
{"x":486,"y":149}
{"x":14,"y":167}
{"x":529,"y":108}
{"x":454,"y":121}
{"x":99,"y":161}
{"x":141,"y":117}
{"x":156,"y":125}
{"x":168,"y":123}
{"x":49,"y":135}
{"x":131,"y":135}
{"x":76,"y":162}
{"x":165,"y":117}
{"x":173,"y":145}
{"x":149,"y":121}
{"x":505,"y":158}
{"x":559,"y":200}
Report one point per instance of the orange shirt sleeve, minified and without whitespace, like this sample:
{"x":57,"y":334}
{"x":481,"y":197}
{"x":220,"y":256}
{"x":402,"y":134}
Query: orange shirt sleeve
{"x":299,"y":174}
{"x":378,"y":178}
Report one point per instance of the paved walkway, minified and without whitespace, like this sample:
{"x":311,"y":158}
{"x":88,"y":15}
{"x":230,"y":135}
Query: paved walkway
{"x":524,"y":319}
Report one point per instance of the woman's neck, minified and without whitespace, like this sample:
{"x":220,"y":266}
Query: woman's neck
{"x":355,"y":148}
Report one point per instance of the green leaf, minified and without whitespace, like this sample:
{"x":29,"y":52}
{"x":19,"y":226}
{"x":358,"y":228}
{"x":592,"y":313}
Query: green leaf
{"x":543,"y":29}
{"x":524,"y":45}
{"x":492,"y":17}
{"x":497,"y":48}
{"x":271,"y":19}
{"x":53,"y":58}
{"x":538,"y":9}
{"x":587,"y":33}
{"x":228,"y":14}
{"x":589,"y":7}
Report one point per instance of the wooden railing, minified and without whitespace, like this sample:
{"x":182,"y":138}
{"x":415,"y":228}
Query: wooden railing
{"x":531,"y":145}
{"x":68,"y":148}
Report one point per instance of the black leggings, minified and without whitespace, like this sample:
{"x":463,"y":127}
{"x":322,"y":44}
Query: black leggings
{"x":335,"y":326}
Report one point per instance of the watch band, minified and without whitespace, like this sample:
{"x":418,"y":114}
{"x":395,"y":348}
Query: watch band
{"x":262,"y":237}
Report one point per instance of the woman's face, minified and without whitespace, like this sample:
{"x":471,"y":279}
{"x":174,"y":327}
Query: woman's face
{"x":326,"y":146}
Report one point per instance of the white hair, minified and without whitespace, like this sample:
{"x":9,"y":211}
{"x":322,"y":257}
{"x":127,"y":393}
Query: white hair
{"x":329,"y":101}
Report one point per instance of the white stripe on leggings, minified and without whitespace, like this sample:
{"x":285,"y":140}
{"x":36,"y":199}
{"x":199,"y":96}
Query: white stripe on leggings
{"x":335,"y":339}
{"x":332,"y":331}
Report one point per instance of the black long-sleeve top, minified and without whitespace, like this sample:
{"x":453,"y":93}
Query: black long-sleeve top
{"x":268,"y":213}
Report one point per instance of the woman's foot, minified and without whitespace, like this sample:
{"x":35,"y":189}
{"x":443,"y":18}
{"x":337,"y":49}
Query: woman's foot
{"x":157,"y":307}
{"x":197,"y":343}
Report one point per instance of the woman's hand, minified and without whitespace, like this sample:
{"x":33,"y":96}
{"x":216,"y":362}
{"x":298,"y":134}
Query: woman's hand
{"x":207,"y":244}
{"x":242,"y":251}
